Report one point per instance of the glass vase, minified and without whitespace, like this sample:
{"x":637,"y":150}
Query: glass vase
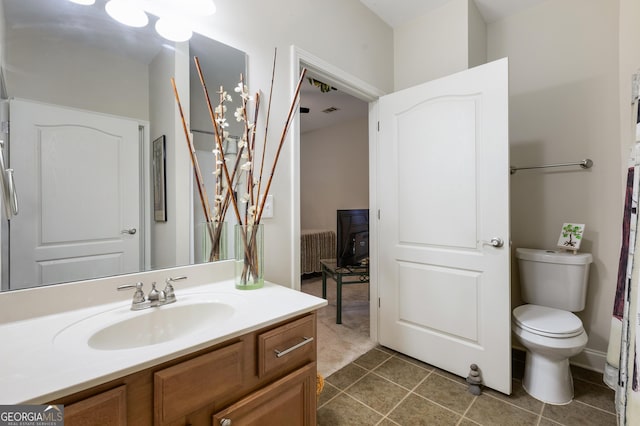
{"x":249,"y":256}
{"x":213,"y":242}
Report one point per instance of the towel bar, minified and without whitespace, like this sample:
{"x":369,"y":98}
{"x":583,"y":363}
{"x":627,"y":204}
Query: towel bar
{"x":585,"y":164}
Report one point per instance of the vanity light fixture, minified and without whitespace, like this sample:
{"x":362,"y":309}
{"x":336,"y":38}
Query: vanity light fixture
{"x":126,"y":13}
{"x":173,"y":15}
{"x":173,"y":29}
{"x":199,"y":7}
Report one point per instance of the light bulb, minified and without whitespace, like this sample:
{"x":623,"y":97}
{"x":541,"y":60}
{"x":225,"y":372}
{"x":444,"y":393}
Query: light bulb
{"x":126,"y":13}
{"x":173,"y":29}
{"x":200,"y":7}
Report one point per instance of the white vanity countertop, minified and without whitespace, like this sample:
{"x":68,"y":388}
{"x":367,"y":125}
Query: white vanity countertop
{"x":38,"y":363}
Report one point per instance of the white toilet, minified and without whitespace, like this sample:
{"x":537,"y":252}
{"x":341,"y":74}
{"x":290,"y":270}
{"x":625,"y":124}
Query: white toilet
{"x":554,"y":284}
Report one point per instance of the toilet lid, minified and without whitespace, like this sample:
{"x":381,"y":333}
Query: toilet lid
{"x":546,"y":321}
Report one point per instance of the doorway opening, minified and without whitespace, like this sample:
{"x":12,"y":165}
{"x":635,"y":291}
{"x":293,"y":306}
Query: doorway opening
{"x":335,"y":169}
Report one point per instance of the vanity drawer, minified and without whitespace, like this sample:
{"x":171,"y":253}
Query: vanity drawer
{"x":287,"y":347}
{"x":192,"y":384}
{"x":107,"y":408}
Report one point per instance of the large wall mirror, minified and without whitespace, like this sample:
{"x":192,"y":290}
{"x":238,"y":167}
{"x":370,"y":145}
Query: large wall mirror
{"x":101,"y":165}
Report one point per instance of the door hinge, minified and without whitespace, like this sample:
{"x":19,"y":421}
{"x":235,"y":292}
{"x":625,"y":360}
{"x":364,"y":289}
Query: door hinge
{"x":378,"y":126}
{"x":378,"y":214}
{"x":378,"y":302}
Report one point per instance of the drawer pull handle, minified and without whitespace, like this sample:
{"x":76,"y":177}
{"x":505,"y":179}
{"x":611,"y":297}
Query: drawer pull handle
{"x":294,"y":347}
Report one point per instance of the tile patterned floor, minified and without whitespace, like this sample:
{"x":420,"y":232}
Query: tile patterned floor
{"x":385,"y":388}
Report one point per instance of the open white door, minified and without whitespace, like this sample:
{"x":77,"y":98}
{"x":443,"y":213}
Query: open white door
{"x":443,"y":193}
{"x":77,"y":180}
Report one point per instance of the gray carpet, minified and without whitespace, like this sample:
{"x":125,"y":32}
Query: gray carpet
{"x":340,"y":344}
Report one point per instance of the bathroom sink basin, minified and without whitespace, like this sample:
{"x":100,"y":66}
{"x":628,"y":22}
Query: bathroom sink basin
{"x":122,"y":328}
{"x":158,"y":325}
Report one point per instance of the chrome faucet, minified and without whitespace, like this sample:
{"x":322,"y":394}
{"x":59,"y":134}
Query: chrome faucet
{"x":155,"y":298}
{"x":168,"y":288}
{"x":139,"y":301}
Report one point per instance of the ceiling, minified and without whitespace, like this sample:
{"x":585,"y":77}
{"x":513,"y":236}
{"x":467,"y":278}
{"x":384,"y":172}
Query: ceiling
{"x":347,"y":107}
{"x":397,"y":12}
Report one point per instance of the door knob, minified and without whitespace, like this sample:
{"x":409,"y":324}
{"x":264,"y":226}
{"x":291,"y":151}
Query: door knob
{"x":130,"y":231}
{"x":495,"y":242}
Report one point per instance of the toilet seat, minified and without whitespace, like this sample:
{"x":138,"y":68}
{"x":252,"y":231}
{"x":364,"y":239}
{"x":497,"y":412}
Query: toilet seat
{"x":549,"y":322}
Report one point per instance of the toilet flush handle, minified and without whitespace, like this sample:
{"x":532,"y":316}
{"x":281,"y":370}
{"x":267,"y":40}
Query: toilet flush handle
{"x":495,"y":242}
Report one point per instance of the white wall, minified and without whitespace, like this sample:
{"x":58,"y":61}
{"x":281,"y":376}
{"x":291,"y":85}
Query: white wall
{"x":477,"y":36}
{"x":163,"y":123}
{"x":431,"y":45}
{"x":170,"y":239}
{"x":444,"y":41}
{"x":563,"y":58}
{"x":334,"y":164}
{"x":350,"y":37}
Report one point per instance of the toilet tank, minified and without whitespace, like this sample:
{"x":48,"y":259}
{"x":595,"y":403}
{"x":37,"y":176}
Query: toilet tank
{"x":553,"y":278}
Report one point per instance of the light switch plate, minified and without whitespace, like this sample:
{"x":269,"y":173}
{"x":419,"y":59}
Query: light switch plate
{"x":268,"y":207}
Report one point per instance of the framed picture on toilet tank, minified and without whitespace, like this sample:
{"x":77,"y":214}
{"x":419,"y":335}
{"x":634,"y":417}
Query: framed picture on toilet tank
{"x":571,"y":236}
{"x":159,"y":180}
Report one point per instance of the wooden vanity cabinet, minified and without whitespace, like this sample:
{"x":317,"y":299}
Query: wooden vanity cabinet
{"x":190,"y":385}
{"x":106,"y":409}
{"x":288,"y":401}
{"x":267,"y":377}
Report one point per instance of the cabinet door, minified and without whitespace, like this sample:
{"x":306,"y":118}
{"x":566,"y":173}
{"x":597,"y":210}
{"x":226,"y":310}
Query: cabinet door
{"x":105,"y":409}
{"x":291,"y":401}
{"x":190,"y":385}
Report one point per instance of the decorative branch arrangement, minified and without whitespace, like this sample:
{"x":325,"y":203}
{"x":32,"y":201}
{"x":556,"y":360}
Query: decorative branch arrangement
{"x":240,"y":188}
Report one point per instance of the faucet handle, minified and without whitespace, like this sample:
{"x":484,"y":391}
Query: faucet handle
{"x":155,"y":296}
{"x":168,"y":289}
{"x":138,"y":296}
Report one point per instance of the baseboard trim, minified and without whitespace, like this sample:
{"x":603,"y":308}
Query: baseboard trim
{"x":591,"y":360}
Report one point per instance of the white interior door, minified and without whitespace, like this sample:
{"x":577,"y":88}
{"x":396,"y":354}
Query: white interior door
{"x":77,"y":181}
{"x":443,"y":192}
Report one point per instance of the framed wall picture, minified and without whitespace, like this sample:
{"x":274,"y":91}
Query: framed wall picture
{"x":159,"y":180}
{"x":571,"y":236}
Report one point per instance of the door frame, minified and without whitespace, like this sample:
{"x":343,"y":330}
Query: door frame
{"x":361,"y":90}
{"x":146,"y":202}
